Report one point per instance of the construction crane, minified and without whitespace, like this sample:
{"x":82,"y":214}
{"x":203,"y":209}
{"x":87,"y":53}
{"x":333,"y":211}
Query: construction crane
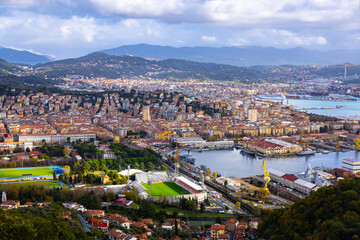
{"x":265,"y":190}
{"x":357,"y":142}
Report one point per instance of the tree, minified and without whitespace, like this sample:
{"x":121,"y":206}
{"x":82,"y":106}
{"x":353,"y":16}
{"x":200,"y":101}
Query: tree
{"x":208,"y":171}
{"x":215,"y":174}
{"x":151,"y":166}
{"x":202,"y":207}
{"x":54,"y":175}
{"x":135,"y":165}
{"x":86,"y":167}
{"x":67,"y":152}
{"x":164,"y":168}
{"x":142,"y":166}
{"x":237,"y":206}
{"x":110,"y":196}
{"x":175,"y":215}
{"x":66,"y":170}
{"x":61,"y":178}
{"x":27,"y":149}
{"x":80,"y":178}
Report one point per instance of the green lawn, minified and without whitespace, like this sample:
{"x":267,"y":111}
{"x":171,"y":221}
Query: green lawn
{"x":25,"y":184}
{"x":165,"y":189}
{"x":18,"y":172}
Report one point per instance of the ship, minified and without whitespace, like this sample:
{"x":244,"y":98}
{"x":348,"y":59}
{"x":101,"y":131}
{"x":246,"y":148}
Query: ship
{"x":272,"y":97}
{"x":187,"y":157}
{"x":306,"y":153}
{"x":247,"y":152}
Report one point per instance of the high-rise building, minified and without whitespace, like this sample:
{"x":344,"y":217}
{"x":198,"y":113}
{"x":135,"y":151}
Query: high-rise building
{"x":146,"y":113}
{"x":252,"y":115}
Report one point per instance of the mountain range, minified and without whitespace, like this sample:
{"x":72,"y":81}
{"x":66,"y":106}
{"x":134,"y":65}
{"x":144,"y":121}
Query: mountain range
{"x":22,"y":57}
{"x":237,"y":56}
{"x":241,"y":56}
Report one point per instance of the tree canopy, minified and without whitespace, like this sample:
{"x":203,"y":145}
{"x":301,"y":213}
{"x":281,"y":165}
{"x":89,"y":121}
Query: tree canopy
{"x":331,"y":212}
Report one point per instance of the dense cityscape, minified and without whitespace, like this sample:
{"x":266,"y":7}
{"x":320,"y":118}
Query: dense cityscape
{"x":178,"y":119}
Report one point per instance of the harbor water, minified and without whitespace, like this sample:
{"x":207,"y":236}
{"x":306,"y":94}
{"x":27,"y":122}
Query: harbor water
{"x":348,"y":109}
{"x":232,"y":163}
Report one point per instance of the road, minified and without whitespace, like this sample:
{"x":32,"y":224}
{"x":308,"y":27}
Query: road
{"x":83,"y":223}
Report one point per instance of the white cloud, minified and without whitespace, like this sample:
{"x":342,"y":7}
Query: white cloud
{"x":139,"y":8}
{"x":209,"y":39}
{"x":18,"y":2}
{"x":75,"y":27}
{"x":238,"y":42}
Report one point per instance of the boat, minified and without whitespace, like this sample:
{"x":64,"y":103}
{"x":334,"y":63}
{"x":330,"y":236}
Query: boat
{"x":306,"y":153}
{"x":187,"y":157}
{"x":277,"y":97}
{"x":250,"y":153}
{"x":340,"y":106}
{"x":203,"y":167}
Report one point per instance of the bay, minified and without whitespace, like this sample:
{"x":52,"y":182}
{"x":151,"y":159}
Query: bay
{"x":350,"y":110}
{"x":235,"y":164}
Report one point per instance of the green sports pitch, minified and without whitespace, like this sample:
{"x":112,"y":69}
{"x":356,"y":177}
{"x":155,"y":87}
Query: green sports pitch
{"x":19,"y":172}
{"x":165,"y":189}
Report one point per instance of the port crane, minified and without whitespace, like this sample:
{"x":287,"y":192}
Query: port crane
{"x":337,"y":144}
{"x":266,"y":179}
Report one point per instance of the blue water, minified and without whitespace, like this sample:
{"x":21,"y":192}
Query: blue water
{"x":350,"y":109}
{"x":233,"y":163}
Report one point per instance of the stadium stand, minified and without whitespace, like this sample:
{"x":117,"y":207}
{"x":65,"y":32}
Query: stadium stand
{"x":188,"y":185}
{"x":153,"y":177}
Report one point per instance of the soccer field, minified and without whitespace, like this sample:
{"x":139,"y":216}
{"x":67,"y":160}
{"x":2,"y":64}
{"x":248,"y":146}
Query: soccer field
{"x":18,"y":172}
{"x":165,"y":189}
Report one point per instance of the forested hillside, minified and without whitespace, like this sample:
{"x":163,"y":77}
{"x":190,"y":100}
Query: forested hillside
{"x":329,"y":213}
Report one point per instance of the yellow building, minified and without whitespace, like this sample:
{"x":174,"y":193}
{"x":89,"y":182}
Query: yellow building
{"x":216,"y":230}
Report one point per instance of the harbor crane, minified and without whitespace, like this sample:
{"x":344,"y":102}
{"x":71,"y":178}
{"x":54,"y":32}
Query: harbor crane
{"x":265,"y":189}
{"x":337,"y":144}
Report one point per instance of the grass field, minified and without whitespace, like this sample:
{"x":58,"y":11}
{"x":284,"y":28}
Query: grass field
{"x":165,"y":189}
{"x":18,"y":172}
{"x":25,"y":184}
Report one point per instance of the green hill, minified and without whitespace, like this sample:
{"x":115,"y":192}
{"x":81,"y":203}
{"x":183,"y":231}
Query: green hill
{"x":330,"y":213}
{"x":126,"y":66}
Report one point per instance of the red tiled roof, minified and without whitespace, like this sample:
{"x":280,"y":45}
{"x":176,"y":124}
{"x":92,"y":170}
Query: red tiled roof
{"x":264,"y":144}
{"x":217,"y":227}
{"x":290,"y":177}
{"x":231,"y":220}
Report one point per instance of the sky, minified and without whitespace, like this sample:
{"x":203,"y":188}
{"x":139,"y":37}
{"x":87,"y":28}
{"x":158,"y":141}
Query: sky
{"x":72,"y":28}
